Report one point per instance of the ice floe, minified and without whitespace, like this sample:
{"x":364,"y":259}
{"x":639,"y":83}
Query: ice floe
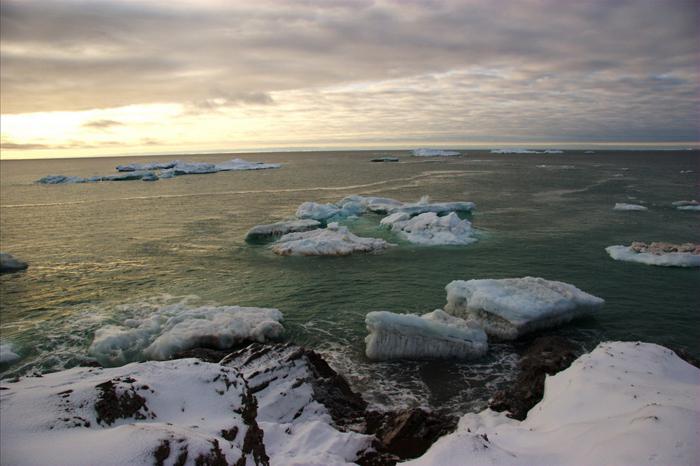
{"x":434,"y":153}
{"x":378,"y":205}
{"x":526,"y":151}
{"x":625,"y":403}
{"x":324,"y":212}
{"x":661,"y":254}
{"x":10,"y":264}
{"x":424,"y":205}
{"x":511,"y":307}
{"x":334,"y":240}
{"x":147,"y":166}
{"x":431,"y":229}
{"x":687,"y":205}
{"x":385,"y":159}
{"x":623,"y":206}
{"x":178,"y":327}
{"x":275,"y":230}
{"x":434,"y":335}
{"x":7,"y":354}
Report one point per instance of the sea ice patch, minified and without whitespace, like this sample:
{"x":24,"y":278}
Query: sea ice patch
{"x":661,"y":254}
{"x":431,"y":229}
{"x":334,"y":240}
{"x":275,"y":230}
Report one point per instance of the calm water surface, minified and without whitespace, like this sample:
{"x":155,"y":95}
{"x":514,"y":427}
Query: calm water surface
{"x":103,"y":252}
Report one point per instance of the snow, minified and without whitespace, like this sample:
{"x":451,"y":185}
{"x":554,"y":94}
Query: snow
{"x":625,"y":403}
{"x":56,"y":419}
{"x":434,"y":153}
{"x":667,"y":259}
{"x":334,"y":240}
{"x":274,"y":230}
{"x":178,"y":327}
{"x":431,"y":229}
{"x":623,"y":206}
{"x":509,"y":308}
{"x":7,"y":354}
{"x":431,"y":336}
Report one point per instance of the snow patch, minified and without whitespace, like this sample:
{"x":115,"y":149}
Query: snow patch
{"x":335,"y":240}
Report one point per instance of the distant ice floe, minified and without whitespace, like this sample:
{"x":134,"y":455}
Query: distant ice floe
{"x":687,"y":205}
{"x":511,"y":307}
{"x":431,"y":229}
{"x":385,"y":159}
{"x":685,"y":172}
{"x":275,"y":230}
{"x":661,"y":254}
{"x":623,"y":206}
{"x":177,"y":328}
{"x":436,"y":335}
{"x":624,"y":403}
{"x":434,"y":153}
{"x":7,"y":354}
{"x":334,"y":240}
{"x":526,"y":151}
{"x":161,"y":170}
{"x":10,"y":264}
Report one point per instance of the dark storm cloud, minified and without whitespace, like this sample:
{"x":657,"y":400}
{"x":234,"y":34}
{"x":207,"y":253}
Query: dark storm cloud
{"x":621,"y":60}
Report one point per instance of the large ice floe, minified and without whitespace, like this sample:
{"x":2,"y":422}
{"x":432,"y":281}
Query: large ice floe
{"x":625,"y":403}
{"x":334,"y":240}
{"x":431,"y":229}
{"x":623,"y":206}
{"x":434,"y":335}
{"x":178,"y":327}
{"x":511,"y":307}
{"x":658,"y":253}
{"x":434,"y":153}
{"x":275,"y":230}
{"x":161,"y":170}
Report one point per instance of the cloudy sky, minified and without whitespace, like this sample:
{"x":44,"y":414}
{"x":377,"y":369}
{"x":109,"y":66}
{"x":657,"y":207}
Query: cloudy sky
{"x":91,"y":77}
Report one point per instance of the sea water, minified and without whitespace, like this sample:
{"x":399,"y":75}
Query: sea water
{"x":102,"y":253}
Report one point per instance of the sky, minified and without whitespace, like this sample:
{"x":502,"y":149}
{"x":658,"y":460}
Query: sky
{"x":100,"y":77}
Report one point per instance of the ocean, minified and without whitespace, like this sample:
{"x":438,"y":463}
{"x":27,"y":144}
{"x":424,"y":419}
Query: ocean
{"x":104,"y":253}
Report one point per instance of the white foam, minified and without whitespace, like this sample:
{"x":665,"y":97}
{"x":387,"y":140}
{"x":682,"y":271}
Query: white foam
{"x":623,"y":404}
{"x":669,"y":259}
{"x":334,"y":240}
{"x":431,"y":229}
{"x":623,"y":206}
{"x":434,"y":153}
{"x":178,"y":327}
{"x":508,"y":308}
{"x":431,"y":336}
{"x":7,"y":353}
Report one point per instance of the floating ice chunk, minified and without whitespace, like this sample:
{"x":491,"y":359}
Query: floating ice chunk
{"x":424,"y":205}
{"x":625,"y":403}
{"x":7,"y":354}
{"x":275,"y":230}
{"x":431,"y":336}
{"x":623,"y":206}
{"x":434,"y":153}
{"x":149,"y":413}
{"x":316,"y":211}
{"x":511,"y":307}
{"x":147,"y":166}
{"x":685,"y":172}
{"x":379,"y":205}
{"x":9,"y":263}
{"x":430,"y":229}
{"x":689,"y":207}
{"x":662,"y":254}
{"x":177,"y":328}
{"x":685,"y":203}
{"x":334,"y":240}
{"x":61,"y":179}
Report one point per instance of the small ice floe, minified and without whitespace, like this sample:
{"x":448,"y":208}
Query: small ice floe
{"x":325,"y":212}
{"x":511,"y":307}
{"x":378,"y":205}
{"x":684,"y":172}
{"x":178,"y":328}
{"x":275,"y":230}
{"x":10,"y":264}
{"x":334,"y":240}
{"x":687,"y":205}
{"x":7,"y":354}
{"x":436,"y":335}
{"x":434,"y":153}
{"x":167,"y":412}
{"x":385,"y":159}
{"x":424,"y":205}
{"x":431,"y":229}
{"x":658,"y":253}
{"x":623,"y":403}
{"x":623,"y":206}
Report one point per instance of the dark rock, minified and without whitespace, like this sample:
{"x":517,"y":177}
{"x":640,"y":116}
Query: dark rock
{"x":545,"y":356}
{"x":253,"y":443}
{"x":111,"y":405}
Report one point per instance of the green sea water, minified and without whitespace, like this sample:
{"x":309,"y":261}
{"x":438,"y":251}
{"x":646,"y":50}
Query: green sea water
{"x":100,"y":253}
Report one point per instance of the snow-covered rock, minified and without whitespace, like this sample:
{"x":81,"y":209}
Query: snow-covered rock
{"x":623,"y":206}
{"x":625,"y":403}
{"x":335,"y":240}
{"x":10,"y":264}
{"x":431,"y":229}
{"x":172,"y":412}
{"x":275,"y":230}
{"x":662,"y":254}
{"x":7,"y":354}
{"x":434,"y":153}
{"x":178,"y":327}
{"x":508,"y":308}
{"x":432,"y":336}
